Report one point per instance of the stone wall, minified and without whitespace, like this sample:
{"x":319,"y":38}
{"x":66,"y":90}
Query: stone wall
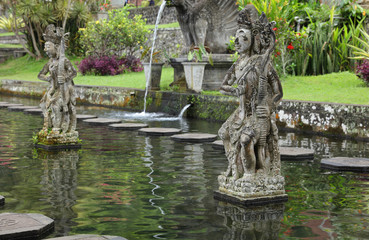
{"x":151,"y":13}
{"x":170,"y":39}
{"x":327,"y":119}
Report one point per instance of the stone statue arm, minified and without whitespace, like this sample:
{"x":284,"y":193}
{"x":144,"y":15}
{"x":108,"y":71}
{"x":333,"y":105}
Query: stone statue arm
{"x":276,"y":85}
{"x":226,"y":88}
{"x":42,"y":74}
{"x":70,"y":71}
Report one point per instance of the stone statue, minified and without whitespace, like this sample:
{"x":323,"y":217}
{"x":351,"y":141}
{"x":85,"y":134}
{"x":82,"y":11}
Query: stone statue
{"x":206,"y":22}
{"x":250,"y":134}
{"x":58,"y":103}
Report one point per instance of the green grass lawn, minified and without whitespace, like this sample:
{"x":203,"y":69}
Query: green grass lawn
{"x":9,"y":34}
{"x":169,"y":25}
{"x":341,"y":87}
{"x":10,"y":45}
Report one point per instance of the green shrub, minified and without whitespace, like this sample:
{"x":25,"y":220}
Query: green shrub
{"x":117,"y":36}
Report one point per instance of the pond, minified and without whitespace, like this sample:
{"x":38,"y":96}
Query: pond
{"x":121,"y":183}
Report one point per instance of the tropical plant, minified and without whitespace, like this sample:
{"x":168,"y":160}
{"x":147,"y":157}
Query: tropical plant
{"x":196,"y":54}
{"x":118,"y":35}
{"x":7,"y":23}
{"x":362,"y":71}
{"x":37,"y":14}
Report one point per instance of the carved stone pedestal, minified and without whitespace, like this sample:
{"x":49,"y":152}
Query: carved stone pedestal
{"x":254,"y":190}
{"x":52,"y":140}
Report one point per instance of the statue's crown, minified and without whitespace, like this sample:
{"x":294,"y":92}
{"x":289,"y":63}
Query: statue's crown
{"x":249,"y":18}
{"x":53,"y":34}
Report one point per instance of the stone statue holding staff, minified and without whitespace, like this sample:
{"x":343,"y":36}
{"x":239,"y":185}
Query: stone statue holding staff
{"x":250,"y":134}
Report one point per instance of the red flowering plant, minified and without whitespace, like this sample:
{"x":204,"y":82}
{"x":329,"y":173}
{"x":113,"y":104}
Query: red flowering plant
{"x":105,"y":5}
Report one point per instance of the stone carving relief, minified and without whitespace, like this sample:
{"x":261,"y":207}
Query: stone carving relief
{"x":206,"y":22}
{"x":250,"y":134}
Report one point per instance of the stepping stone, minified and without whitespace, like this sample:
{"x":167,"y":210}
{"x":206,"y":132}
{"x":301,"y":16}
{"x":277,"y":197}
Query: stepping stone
{"x":84,"y":116}
{"x":218,"y":144}
{"x":88,"y":237}
{"x":296,"y":154}
{"x":6,"y":105}
{"x":34,"y":111}
{"x":2,"y":202}
{"x":102,"y":121}
{"x":3,"y":102}
{"x":25,"y":226}
{"x":21,"y":108}
{"x":128,"y":126}
{"x":158,"y":131}
{"x":346,"y":164}
{"x":195,"y":137}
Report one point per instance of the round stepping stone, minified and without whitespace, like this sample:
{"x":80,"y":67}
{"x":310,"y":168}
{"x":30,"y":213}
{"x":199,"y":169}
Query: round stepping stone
{"x":21,"y":108}
{"x":102,"y":121}
{"x":346,"y":164}
{"x":2,"y":202}
{"x":194,"y":137}
{"x":85,"y":116}
{"x":128,"y":126}
{"x":34,"y":111}
{"x":88,"y":237}
{"x":6,"y":105}
{"x":25,"y":226}
{"x":296,"y":154}
{"x":158,"y":131}
{"x":218,"y":144}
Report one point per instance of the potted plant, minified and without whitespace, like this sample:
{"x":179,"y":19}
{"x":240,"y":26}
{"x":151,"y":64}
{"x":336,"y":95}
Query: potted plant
{"x":153,"y":71}
{"x":195,"y":67}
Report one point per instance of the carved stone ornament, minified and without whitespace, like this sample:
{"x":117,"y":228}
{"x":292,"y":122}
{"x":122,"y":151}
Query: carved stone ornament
{"x":206,"y":22}
{"x":250,"y":134}
{"x":58,"y":103}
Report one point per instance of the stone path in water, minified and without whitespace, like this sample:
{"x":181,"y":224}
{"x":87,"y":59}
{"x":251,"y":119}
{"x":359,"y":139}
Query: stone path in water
{"x":25,"y":226}
{"x":85,"y":116}
{"x":88,"y":237}
{"x":346,"y":164}
{"x":128,"y":126}
{"x":158,"y":131}
{"x":194,"y":137}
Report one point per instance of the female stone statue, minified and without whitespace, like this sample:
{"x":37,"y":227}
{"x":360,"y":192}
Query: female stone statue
{"x":58,"y":103}
{"x":250,"y":134}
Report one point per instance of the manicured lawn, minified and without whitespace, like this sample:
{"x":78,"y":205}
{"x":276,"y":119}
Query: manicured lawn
{"x":169,"y":25}
{"x":31,"y":68}
{"x":344,"y":87}
{"x":9,"y":34}
{"x":341,"y":87}
{"x":10,"y":45}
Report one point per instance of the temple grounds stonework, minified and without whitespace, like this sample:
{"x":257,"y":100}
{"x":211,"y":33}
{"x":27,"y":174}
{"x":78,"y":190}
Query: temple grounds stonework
{"x":327,"y":119}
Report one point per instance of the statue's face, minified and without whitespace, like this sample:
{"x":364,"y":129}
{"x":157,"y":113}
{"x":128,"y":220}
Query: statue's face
{"x":243,"y":40}
{"x":50,"y":49}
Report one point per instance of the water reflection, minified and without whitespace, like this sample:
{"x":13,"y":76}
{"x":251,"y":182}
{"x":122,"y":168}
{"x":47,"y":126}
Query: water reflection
{"x":262,"y":222}
{"x":58,"y":185}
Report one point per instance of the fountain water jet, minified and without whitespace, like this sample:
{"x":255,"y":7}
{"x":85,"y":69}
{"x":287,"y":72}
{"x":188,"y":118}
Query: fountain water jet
{"x":162,"y":6}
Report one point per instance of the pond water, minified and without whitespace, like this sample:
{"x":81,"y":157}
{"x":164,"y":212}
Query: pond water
{"x":121,"y":183}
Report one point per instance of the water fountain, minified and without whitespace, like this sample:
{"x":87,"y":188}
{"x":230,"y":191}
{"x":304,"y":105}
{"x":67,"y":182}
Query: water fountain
{"x":161,"y":9}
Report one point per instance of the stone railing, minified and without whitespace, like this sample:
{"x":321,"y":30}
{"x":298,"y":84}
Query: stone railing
{"x":327,"y":119}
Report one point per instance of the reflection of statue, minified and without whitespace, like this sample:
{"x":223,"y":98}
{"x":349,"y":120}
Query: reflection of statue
{"x":251,"y":223}
{"x":58,"y":103}
{"x":250,"y":134}
{"x":206,"y":22}
{"x":59,"y":185}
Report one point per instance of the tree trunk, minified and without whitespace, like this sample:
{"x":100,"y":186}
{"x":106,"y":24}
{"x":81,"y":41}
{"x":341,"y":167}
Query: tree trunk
{"x":38,"y":54}
{"x":15,"y":30}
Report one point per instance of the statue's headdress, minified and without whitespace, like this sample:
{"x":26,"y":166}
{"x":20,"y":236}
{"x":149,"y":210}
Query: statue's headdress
{"x":259,"y":26}
{"x":54,"y":34}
